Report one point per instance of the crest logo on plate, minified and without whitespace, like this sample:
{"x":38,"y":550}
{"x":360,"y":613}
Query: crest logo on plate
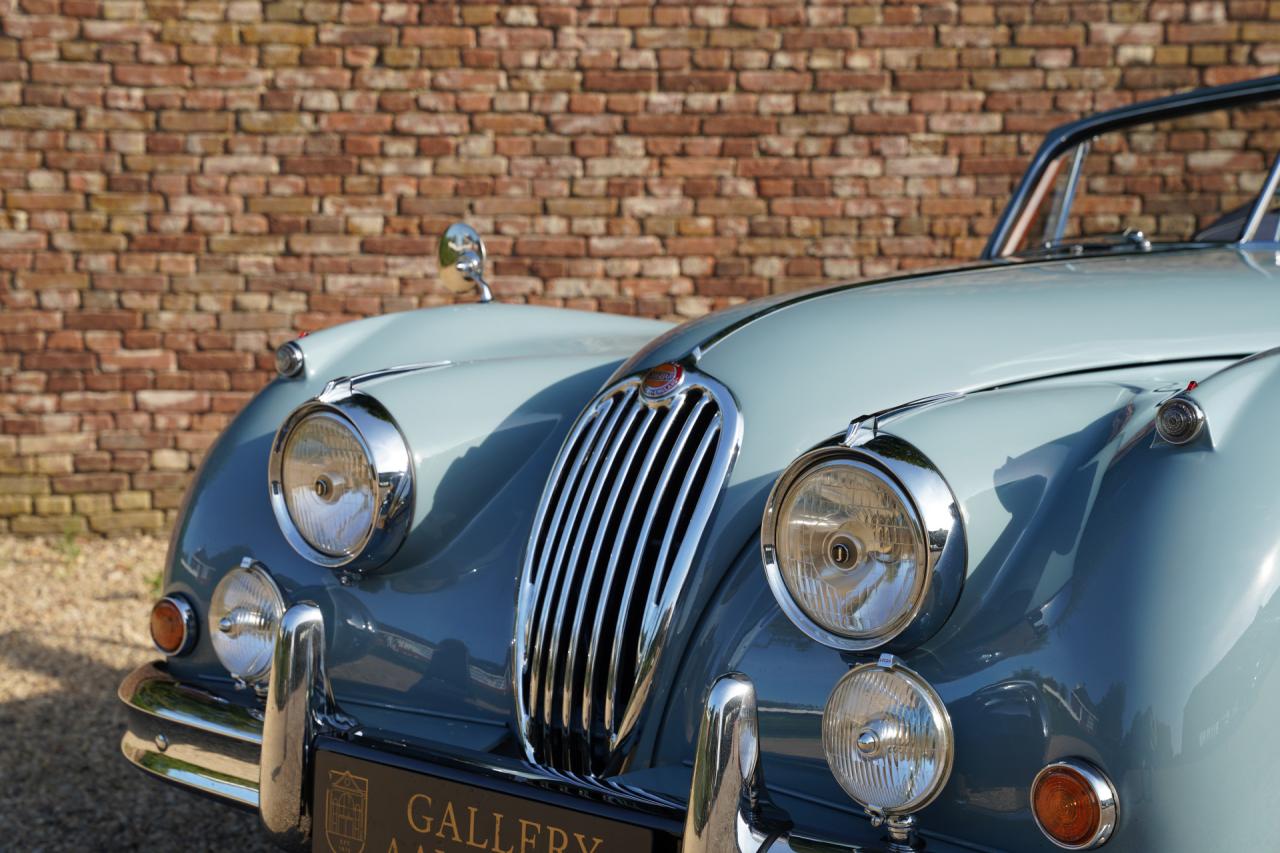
{"x":346,"y":812}
{"x":661,"y":381}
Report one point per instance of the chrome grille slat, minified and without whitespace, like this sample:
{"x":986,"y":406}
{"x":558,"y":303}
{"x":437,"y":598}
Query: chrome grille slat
{"x":572,"y":578}
{"x":627,"y":503}
{"x":686,"y":485}
{"x":585,"y":601}
{"x":558,"y":581}
{"x":545,"y":577}
{"x":617,"y":649}
{"x":594,"y":657}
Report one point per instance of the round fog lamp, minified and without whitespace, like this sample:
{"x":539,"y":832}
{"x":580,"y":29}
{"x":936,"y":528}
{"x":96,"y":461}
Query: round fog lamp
{"x":1074,"y":804}
{"x":887,"y":737}
{"x":243,"y":617}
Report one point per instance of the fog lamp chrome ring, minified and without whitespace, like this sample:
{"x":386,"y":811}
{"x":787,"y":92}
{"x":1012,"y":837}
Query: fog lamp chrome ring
{"x":244,"y":614}
{"x":888,"y":738}
{"x":388,"y":453}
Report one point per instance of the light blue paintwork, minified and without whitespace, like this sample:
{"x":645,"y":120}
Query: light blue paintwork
{"x":1118,"y":599}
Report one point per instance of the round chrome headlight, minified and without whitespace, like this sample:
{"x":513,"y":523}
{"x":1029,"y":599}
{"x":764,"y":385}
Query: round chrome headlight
{"x":854,"y":540}
{"x":244,"y":615}
{"x":341,"y":482}
{"x":887,"y":737}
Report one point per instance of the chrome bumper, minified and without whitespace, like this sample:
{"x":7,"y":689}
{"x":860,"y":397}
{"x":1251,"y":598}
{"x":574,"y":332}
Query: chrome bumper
{"x":262,"y":760}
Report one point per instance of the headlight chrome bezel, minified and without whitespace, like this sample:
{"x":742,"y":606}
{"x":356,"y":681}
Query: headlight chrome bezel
{"x":388,"y":452}
{"x":911,"y":476}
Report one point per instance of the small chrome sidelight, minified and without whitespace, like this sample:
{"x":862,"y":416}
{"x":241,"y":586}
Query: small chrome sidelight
{"x":290,"y":359}
{"x":1180,"y":420}
{"x":462,"y":255}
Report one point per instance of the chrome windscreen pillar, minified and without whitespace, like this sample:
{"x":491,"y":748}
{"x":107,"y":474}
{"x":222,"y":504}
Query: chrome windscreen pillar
{"x":299,"y":706}
{"x":726,"y":789}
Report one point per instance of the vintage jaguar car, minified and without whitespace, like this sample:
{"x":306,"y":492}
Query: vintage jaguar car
{"x":976,"y":560}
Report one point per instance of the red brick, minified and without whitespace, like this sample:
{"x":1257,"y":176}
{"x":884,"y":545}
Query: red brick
{"x":775,"y":81}
{"x":619,"y":81}
{"x":180,"y":193}
{"x":697,"y":81}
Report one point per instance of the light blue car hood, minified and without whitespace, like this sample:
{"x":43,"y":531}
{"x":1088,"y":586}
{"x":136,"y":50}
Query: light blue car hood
{"x":802,"y":366}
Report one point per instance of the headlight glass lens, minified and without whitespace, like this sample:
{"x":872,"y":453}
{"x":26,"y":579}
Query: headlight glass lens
{"x":888,"y":738}
{"x":329,"y":483}
{"x":244,"y":615}
{"x":851,"y":550}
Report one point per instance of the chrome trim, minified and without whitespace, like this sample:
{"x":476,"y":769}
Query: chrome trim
{"x":194,"y":738}
{"x":388,"y":452}
{"x":729,"y":809}
{"x":190,"y":625}
{"x":339,"y":389}
{"x":923,"y":489}
{"x":251,"y":566}
{"x":150,"y":690}
{"x":1065,"y":136}
{"x":575,"y":705}
{"x":611,"y":695}
{"x":290,"y":359}
{"x":1063,"y":204}
{"x":190,"y":737}
{"x":1108,"y":801}
{"x":899,"y":819}
{"x":223,"y":750}
{"x":1179,"y":419}
{"x":300,"y":705}
{"x":854,"y":434}
{"x":726,"y":791}
{"x":461,"y":254}
{"x":1262,"y":204}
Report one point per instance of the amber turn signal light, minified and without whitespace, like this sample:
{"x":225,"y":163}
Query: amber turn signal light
{"x":173,"y":625}
{"x":1074,"y":804}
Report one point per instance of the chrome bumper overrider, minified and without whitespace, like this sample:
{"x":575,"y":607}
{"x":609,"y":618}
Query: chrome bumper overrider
{"x":191,"y":737}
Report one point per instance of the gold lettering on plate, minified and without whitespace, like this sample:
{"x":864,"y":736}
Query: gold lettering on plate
{"x":582,"y":842}
{"x":409,"y":810}
{"x":527,"y":843}
{"x":497,"y":835}
{"x":484,"y":831}
{"x":450,"y":821}
{"x":471,"y":830}
{"x":346,"y":812}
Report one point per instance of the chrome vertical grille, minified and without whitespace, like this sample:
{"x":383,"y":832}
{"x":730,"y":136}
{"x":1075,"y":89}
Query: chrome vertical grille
{"x":619,"y":525}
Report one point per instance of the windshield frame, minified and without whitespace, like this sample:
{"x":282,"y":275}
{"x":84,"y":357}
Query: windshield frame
{"x":1037,"y":181}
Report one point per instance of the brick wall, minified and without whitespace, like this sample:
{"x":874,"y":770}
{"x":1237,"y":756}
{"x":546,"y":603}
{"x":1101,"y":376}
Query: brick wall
{"x":185,"y":184}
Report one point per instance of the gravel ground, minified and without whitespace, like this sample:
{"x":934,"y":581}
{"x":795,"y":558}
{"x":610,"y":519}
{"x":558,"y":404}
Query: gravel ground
{"x":72,"y":624}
